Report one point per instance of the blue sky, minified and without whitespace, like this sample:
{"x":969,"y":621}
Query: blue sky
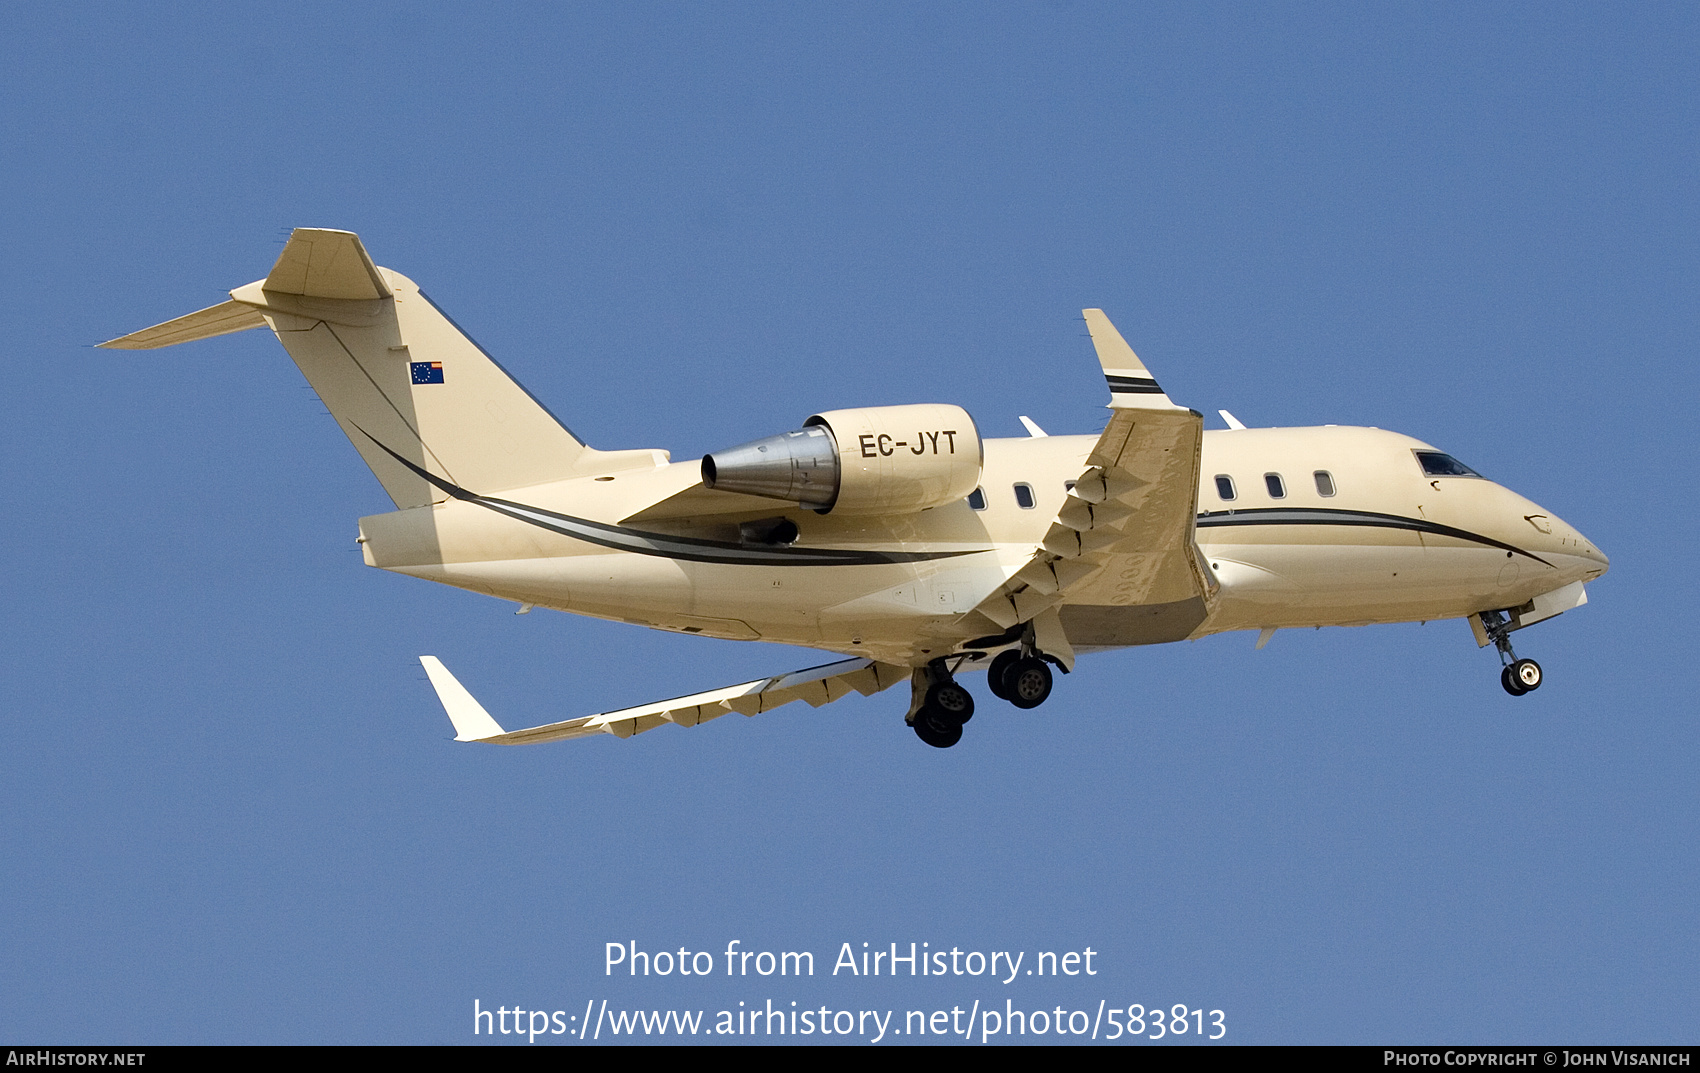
{"x":233,"y":811}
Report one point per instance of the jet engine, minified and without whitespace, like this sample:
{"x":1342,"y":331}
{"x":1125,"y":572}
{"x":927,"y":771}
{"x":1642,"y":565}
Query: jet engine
{"x":878,"y":460}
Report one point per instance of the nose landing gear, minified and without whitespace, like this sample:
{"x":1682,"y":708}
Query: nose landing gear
{"x":1518,"y":676}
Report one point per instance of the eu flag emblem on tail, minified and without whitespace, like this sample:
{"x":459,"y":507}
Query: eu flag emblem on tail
{"x":427,"y":372}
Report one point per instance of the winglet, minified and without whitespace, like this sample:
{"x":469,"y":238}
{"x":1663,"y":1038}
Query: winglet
{"x":1131,"y":384}
{"x":472,"y":722}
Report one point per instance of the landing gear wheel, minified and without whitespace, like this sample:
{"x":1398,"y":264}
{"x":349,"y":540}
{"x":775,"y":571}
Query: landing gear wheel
{"x":951,"y":702}
{"x":1028,"y":682}
{"x":999,"y":670}
{"x":937,"y":729}
{"x":1520,"y":676}
{"x":1526,"y":673}
{"x":1512,"y":686}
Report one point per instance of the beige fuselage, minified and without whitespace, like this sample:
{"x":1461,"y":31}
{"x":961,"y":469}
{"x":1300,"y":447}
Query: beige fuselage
{"x":1389,"y":545}
{"x":895,"y":534}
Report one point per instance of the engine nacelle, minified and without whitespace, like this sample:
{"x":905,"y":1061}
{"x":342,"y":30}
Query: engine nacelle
{"x":877,"y":460}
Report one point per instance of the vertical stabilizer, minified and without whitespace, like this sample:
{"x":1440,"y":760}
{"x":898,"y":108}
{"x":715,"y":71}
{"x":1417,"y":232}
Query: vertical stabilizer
{"x":407,"y":386}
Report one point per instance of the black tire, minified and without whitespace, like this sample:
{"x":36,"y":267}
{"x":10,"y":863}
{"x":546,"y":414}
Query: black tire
{"x":1512,"y":686}
{"x":999,"y":670}
{"x":940,"y":733}
{"x":1029,"y":682}
{"x":1526,"y":673}
{"x":951,"y":702}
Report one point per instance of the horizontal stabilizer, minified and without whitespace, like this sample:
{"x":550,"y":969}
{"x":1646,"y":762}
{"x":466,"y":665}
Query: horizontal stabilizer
{"x":221,"y":319}
{"x":317,"y":263}
{"x":816,"y":685}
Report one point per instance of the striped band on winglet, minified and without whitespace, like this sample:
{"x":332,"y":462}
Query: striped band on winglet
{"x":1132,"y":384}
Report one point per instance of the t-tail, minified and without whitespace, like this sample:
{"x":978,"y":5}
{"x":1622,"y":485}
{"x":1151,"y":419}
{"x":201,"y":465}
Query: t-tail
{"x":413,"y":393}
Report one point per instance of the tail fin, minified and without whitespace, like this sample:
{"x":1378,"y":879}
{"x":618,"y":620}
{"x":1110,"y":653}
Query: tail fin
{"x":411,"y":391}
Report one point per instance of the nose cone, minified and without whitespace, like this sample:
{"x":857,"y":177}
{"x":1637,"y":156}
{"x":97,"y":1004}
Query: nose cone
{"x":1596,"y":555}
{"x":1560,"y":543}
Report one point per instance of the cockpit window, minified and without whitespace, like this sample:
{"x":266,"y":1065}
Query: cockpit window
{"x":1436,"y":464}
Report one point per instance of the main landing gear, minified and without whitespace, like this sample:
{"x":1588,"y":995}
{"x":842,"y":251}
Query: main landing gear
{"x":939,"y":707}
{"x":1023,"y":680}
{"x":1518,"y":676}
{"x":947,"y":707}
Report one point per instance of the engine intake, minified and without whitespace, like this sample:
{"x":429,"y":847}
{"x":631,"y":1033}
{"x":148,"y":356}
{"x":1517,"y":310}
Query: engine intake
{"x":876,"y":460}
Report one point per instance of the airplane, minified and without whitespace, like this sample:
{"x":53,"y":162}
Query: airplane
{"x":896,"y":537}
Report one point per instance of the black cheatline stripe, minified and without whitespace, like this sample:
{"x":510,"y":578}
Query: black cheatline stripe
{"x":1137,"y":385}
{"x":691,"y":549}
{"x":1323,"y":516}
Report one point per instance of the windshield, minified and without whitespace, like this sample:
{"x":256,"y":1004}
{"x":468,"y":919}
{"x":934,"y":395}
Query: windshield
{"x":1437,"y":464}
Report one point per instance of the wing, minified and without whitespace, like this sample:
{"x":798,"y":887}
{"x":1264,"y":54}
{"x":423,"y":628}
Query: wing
{"x":816,"y":685}
{"x":1124,"y":537}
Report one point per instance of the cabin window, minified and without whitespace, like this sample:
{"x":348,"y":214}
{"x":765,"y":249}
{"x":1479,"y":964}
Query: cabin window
{"x":1224,"y":488}
{"x":1324,"y":483}
{"x":1436,"y":464}
{"x":977,"y":499}
{"x":1277,"y":489}
{"x":1024,"y":496}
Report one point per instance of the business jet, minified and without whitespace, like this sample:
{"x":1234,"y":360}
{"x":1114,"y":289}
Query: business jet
{"x":897,"y":537}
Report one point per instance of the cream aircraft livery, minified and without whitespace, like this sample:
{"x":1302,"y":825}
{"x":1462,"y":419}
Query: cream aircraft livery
{"x":895,"y":536}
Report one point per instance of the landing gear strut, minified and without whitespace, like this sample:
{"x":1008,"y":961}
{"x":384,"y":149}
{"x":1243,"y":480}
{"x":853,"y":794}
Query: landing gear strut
{"x":1518,"y":676}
